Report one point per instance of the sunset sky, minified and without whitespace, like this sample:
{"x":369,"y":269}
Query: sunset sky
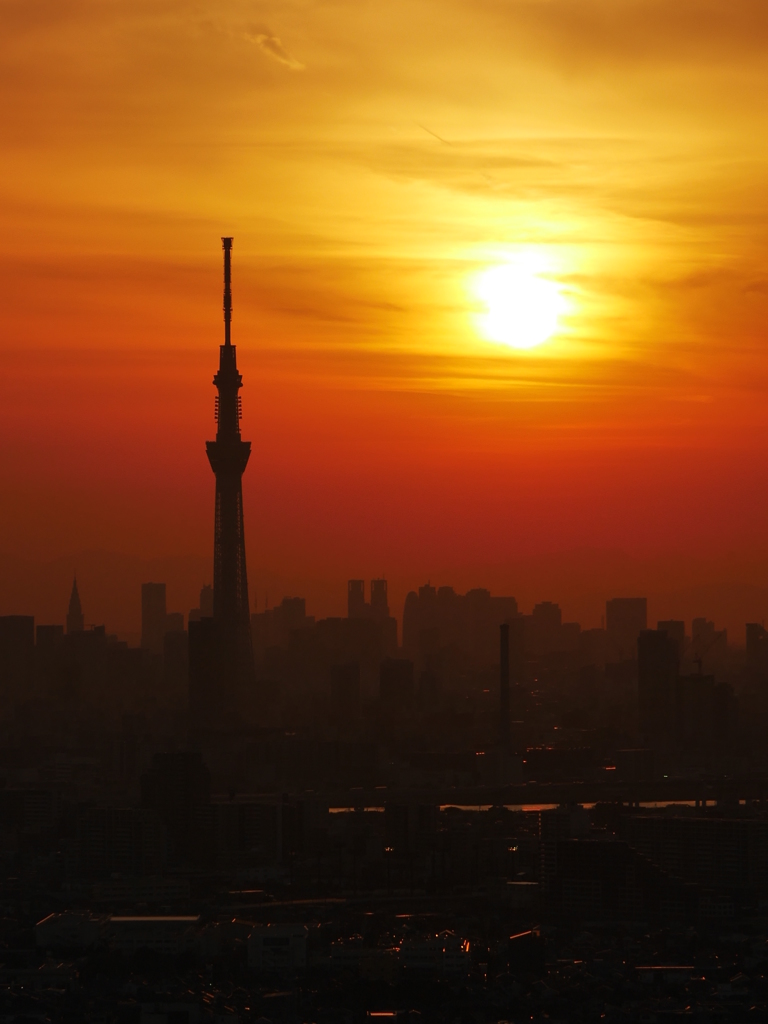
{"x":373,"y":160}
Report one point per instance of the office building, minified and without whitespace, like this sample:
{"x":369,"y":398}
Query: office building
{"x":174,"y":622}
{"x":675,"y":629}
{"x":17,"y":656}
{"x":176,"y":667}
{"x":153,"y":617}
{"x":379,"y":601}
{"x":625,"y":619}
{"x":275,"y":626}
{"x":204,"y":609}
{"x":757,"y":651}
{"x":48,"y":638}
{"x":709,"y":646}
{"x":658,"y":668}
{"x":377,"y":610}
{"x":437,"y":618}
{"x":504,"y":683}
{"x":356,"y":604}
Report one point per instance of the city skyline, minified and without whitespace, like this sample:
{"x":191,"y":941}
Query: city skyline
{"x":476,"y":733}
{"x":364,"y":604}
{"x":45,"y":596}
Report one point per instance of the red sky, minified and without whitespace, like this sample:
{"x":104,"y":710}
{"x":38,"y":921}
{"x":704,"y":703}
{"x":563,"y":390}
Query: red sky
{"x":372,"y":161}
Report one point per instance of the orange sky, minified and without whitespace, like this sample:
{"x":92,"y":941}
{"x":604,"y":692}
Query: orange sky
{"x":371,"y":159}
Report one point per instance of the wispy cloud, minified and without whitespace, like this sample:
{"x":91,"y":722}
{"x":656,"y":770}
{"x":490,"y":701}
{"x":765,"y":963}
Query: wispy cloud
{"x":273,"y":47}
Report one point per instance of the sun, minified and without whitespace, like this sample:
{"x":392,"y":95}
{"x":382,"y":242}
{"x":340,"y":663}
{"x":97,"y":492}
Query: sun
{"x":523,"y":307}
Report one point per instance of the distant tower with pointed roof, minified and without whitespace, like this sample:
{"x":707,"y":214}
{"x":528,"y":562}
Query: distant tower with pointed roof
{"x":75,"y":620}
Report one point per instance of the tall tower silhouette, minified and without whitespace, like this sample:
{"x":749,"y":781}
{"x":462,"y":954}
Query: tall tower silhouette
{"x":228,"y":456}
{"x":75,"y":620}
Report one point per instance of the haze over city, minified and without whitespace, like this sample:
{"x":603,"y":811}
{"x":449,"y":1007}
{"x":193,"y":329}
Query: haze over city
{"x":383,"y":558}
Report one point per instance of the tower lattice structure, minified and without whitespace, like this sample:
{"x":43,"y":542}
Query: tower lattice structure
{"x":228,"y":456}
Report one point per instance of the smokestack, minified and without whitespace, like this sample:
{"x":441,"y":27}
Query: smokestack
{"x":504,"y":683}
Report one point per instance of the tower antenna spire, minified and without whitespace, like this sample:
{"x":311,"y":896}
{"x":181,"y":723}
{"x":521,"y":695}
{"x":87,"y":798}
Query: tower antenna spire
{"x":227,"y":246}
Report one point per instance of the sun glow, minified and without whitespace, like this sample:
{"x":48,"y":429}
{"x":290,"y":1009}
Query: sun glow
{"x":523,"y":306}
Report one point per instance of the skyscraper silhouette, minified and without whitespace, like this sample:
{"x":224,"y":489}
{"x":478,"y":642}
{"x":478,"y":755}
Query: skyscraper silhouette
{"x":504,"y":683}
{"x":228,"y":456}
{"x":379,"y":602}
{"x":75,"y":620}
{"x":658,"y":669}
{"x":154,"y":617}
{"x":356,"y":599}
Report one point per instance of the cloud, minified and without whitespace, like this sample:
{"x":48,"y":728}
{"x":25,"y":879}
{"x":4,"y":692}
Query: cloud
{"x":274,"y":48}
{"x":581,"y":32}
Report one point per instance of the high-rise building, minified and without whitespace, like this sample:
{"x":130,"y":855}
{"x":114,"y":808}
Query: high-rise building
{"x":516,"y":653}
{"x":543,"y":628}
{"x":206,"y":601}
{"x":377,"y":611}
{"x":75,"y":620}
{"x":48,"y":638}
{"x":232,"y":658}
{"x":504,"y":683}
{"x":17,"y":652}
{"x":658,"y":666}
{"x":356,"y":606}
{"x":153,"y":616}
{"x":205,"y":608}
{"x":174,"y":622}
{"x":379,"y":602}
{"x":274,"y":627}
{"x":438,"y":618}
{"x":176,"y":667}
{"x":757,"y":649}
{"x":625,"y":619}
{"x":709,"y":646}
{"x":674,"y":628}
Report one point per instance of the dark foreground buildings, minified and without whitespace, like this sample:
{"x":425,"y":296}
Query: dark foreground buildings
{"x":491,"y":822}
{"x":494,"y":817}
